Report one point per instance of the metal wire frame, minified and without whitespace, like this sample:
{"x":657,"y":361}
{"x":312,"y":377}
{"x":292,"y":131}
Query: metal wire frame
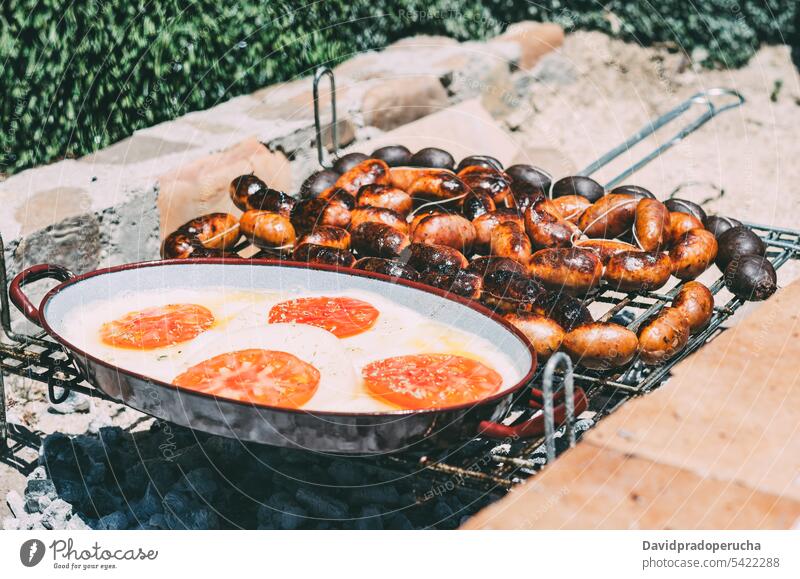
{"x":480,"y":464}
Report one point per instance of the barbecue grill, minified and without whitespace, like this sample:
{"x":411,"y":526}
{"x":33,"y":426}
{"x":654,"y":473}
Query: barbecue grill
{"x":482,"y":464}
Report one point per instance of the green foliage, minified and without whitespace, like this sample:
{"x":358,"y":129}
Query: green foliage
{"x":78,"y":76}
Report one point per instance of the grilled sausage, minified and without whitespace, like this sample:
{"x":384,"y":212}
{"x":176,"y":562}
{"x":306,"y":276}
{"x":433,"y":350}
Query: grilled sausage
{"x":600,"y":345}
{"x":635,"y":190}
{"x":328,"y":236}
{"x":243,"y":187}
{"x":637,"y":270}
{"x":348,"y":161}
{"x":544,"y":333}
{"x":267,"y":229}
{"x":571,"y":207}
{"x":366,"y":172}
{"x":485,"y":224}
{"x":316,"y":211}
{"x":696,"y":302}
{"x":680,"y":224}
{"x":477,"y":203}
{"x":206,"y":236}
{"x":390,"y":267}
{"x":527,"y":179}
{"x":361,"y":215}
{"x":444,"y":229}
{"x":318,"y":182}
{"x":479,"y":161}
{"x":578,"y":185}
{"x":509,"y":240}
{"x":384,"y":196}
{"x":403,"y":177}
{"x":492,"y":182}
{"x":436,"y":186}
{"x":378,"y":240}
{"x":651,"y":224}
{"x":693,"y":253}
{"x":462,"y":283}
{"x":571,"y":269}
{"x":394,"y":155}
{"x":609,"y":217}
{"x":487,"y":264}
{"x":663,"y":336}
{"x":545,"y":230}
{"x":718,"y":224}
{"x":605,"y":248}
{"x":507,"y":291}
{"x":337,"y":194}
{"x":424,"y":257}
{"x":685,"y":206}
{"x":432,"y":157}
{"x":324,"y":254}
{"x":272,"y":200}
{"x":570,"y":312}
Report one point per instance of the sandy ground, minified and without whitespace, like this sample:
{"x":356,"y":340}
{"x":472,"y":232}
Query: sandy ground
{"x":587,"y":98}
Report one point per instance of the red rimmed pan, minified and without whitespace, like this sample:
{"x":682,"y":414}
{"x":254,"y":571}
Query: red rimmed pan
{"x":339,"y":432}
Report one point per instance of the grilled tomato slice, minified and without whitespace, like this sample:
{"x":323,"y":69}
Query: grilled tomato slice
{"x":157,"y":327}
{"x":430,"y":380}
{"x":342,"y":316}
{"x":258,"y":376}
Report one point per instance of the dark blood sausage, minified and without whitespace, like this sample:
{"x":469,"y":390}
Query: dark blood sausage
{"x":663,"y":336}
{"x":693,"y":253}
{"x":509,"y":240}
{"x":480,"y":161}
{"x":444,"y":229}
{"x":327,"y":235}
{"x":462,"y":283}
{"x":600,"y":345}
{"x":346,"y":162}
{"x":651,"y":224}
{"x":696,"y":302}
{"x":316,"y":211}
{"x":544,"y":333}
{"x":393,"y":155}
{"x":751,"y":277}
{"x":436,"y":186}
{"x":432,"y":157}
{"x":605,"y":248}
{"x":609,"y":217}
{"x":578,"y":185}
{"x":485,"y":224}
{"x":206,"y":236}
{"x":386,"y":197}
{"x":314,"y":253}
{"x":477,"y":203}
{"x":507,"y":291}
{"x":570,"y":312}
{"x":493,"y":183}
{"x":243,"y":187}
{"x":630,"y":271}
{"x":571,"y":207}
{"x":570,"y":269}
{"x":635,"y":190}
{"x":487,"y":264}
{"x":390,"y":267}
{"x":545,"y":230}
{"x":718,"y":224}
{"x":680,"y":224}
{"x":735,"y":242}
{"x":266,"y":229}
{"x":318,"y":182}
{"x":684,"y":206}
{"x":361,"y":215}
{"x":366,"y":172}
{"x":378,"y":240}
{"x":527,"y":179}
{"x":272,"y":200}
{"x":439,"y":258}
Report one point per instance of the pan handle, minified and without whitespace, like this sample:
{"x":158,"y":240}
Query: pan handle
{"x":533,"y":426}
{"x":30,"y":275}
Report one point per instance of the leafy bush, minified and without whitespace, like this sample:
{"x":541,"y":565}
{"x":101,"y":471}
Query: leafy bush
{"x":80,"y":77}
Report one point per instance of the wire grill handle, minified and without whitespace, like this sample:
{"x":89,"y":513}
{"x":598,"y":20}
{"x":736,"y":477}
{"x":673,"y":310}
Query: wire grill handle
{"x":730,"y":98}
{"x":318,"y":74}
{"x":556,"y":360}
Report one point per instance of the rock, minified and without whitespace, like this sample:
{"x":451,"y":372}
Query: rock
{"x":16,"y":503}
{"x":40,"y":487}
{"x":370,"y":519}
{"x":38,"y":473}
{"x":321,"y":505}
{"x":56,"y":514}
{"x":74,"y":403}
{"x":535,"y":40}
{"x":200,"y":481}
{"x":115,"y":521}
{"x":554,"y":69}
{"x":76,"y":523}
{"x":395,"y":102}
